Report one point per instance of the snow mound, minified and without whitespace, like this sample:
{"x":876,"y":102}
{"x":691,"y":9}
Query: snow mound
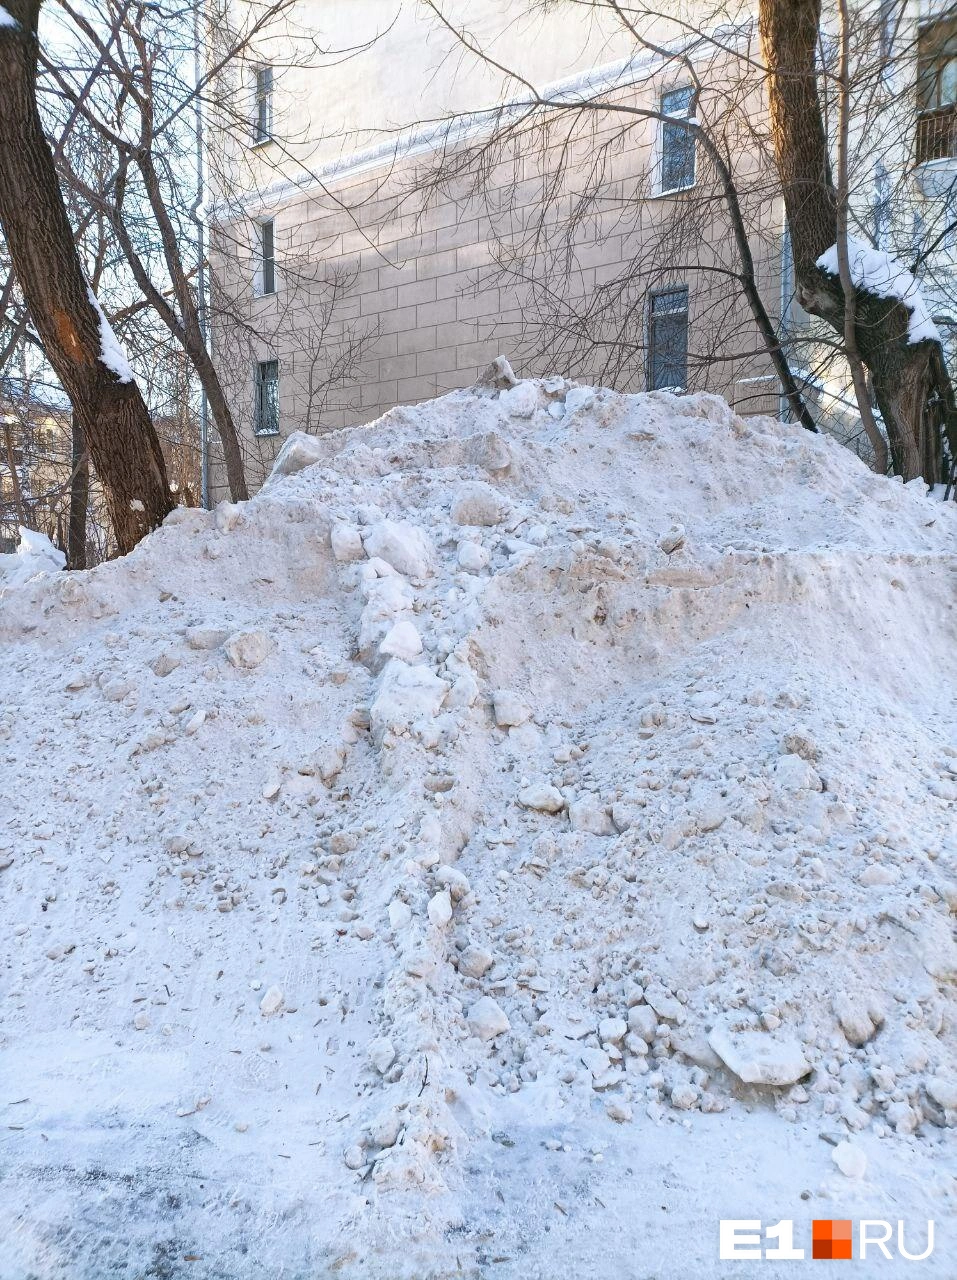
{"x":35,"y":554}
{"x":520,"y":772}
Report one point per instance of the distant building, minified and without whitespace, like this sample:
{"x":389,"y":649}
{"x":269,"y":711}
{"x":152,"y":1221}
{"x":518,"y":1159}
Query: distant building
{"x":35,"y":452}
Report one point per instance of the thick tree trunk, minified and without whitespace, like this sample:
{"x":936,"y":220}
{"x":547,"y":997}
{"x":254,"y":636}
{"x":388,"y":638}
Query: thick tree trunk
{"x":110,"y":412}
{"x":79,"y":502}
{"x":913,"y":390}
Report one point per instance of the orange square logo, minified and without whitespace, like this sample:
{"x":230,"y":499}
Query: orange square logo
{"x":831,"y":1238}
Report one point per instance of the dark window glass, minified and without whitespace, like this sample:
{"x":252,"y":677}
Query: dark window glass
{"x":668,"y":340}
{"x":677,"y":142}
{"x":889,"y":19}
{"x":268,"y":257}
{"x":267,"y":398}
{"x":262,"y":128}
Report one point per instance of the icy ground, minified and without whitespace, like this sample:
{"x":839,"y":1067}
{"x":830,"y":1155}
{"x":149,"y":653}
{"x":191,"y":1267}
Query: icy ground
{"x":520,"y":837}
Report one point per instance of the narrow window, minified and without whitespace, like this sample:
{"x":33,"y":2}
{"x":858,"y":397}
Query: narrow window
{"x":677,"y":142}
{"x":267,"y":398}
{"x":262,"y":125}
{"x":888,"y":18}
{"x":267,"y":257}
{"x":668,"y":340}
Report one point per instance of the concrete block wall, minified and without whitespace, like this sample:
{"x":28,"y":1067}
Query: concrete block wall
{"x":424,"y":298}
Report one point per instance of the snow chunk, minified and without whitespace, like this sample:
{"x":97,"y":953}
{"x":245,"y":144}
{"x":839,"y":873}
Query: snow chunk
{"x":579,"y":398}
{"x":487,"y":1020}
{"x":346,"y":543}
{"x":35,"y":554}
{"x":520,"y":401}
{"x":589,"y":815}
{"x":403,"y":546}
{"x":402,"y":641}
{"x":509,"y":709}
{"x":475,"y":962}
{"x":943,"y":1090}
{"x":272,"y":1002}
{"x":298,"y":452}
{"x":612,"y":1030}
{"x":757,"y":1058}
{"x":860,"y":1021}
{"x":382,"y":1054}
{"x":498,"y":374}
{"x":473,"y":557}
{"x":111,"y":353}
{"x":248,"y":649}
{"x":877,"y":272}
{"x":477,"y":503}
{"x":201,"y":637}
{"x":850,"y":1159}
{"x":543,"y":797}
{"x":440,"y":908}
{"x":405,"y":694}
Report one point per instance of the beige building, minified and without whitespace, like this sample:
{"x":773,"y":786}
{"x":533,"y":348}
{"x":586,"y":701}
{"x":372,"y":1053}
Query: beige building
{"x":397,"y":216}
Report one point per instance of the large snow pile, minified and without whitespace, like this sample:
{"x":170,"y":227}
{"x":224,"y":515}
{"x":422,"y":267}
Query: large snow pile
{"x":513,"y":829}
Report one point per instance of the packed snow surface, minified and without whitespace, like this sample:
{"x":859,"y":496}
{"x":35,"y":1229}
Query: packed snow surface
{"x":518,"y":838}
{"x":878,"y":272}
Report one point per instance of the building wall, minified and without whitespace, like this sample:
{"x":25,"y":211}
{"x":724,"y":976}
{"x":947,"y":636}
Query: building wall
{"x":427,"y":306}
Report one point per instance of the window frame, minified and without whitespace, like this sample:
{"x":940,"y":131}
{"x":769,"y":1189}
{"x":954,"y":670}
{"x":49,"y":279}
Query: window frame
{"x":266,"y":279}
{"x":666,"y":131}
{"x":264,"y":88}
{"x":259,"y":385}
{"x":650,"y":322}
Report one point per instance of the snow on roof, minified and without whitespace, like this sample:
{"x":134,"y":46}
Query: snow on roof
{"x":880,"y":273}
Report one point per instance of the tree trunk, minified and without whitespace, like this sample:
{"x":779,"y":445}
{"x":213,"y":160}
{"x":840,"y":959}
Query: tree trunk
{"x":108,"y":410}
{"x":862,"y":391}
{"x":909,"y":378}
{"x":195,"y":343}
{"x":79,"y":502}
{"x":11,"y":460}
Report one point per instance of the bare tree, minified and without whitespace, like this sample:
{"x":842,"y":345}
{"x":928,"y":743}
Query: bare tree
{"x":910,"y":379}
{"x":135,"y":54}
{"x":76,"y":336}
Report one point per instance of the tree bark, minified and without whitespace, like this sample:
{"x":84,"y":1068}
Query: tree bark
{"x":79,"y":501}
{"x":110,"y":412}
{"x":851,"y":349}
{"x":913,"y":390}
